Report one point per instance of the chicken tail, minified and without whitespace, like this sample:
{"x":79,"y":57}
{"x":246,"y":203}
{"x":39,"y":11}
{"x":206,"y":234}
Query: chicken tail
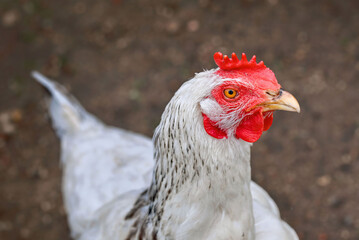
{"x":67,"y":114}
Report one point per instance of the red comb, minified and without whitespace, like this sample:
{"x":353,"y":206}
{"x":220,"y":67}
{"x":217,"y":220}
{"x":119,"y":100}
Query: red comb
{"x":226,"y":63}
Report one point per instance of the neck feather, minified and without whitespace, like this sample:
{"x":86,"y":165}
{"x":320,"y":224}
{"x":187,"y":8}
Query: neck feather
{"x":196,"y":167}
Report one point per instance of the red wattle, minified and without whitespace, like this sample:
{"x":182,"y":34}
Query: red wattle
{"x":211,"y":129}
{"x":268,"y":120}
{"x":251,"y":127}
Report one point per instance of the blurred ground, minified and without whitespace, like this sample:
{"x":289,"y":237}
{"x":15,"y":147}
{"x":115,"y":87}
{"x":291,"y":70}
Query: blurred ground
{"x":125,"y":59}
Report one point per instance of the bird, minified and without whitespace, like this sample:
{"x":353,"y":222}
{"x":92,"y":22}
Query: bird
{"x":192,"y":180}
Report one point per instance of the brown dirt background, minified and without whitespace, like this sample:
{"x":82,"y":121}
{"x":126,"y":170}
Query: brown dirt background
{"x":124,"y":60}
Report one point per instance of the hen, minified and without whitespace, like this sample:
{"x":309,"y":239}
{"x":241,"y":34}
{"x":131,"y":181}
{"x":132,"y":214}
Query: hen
{"x":193,"y":180}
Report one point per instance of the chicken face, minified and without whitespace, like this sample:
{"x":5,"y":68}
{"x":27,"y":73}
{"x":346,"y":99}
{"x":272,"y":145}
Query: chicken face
{"x":243,"y":102}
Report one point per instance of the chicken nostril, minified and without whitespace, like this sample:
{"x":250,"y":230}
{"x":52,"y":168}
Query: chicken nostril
{"x":272,"y":93}
{"x":280,"y":92}
{"x":275,"y":94}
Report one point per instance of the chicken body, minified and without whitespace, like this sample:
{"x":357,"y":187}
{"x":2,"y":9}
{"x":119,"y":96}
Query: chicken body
{"x":185,"y":184}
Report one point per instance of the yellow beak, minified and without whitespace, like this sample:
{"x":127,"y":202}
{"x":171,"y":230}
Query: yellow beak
{"x":283,"y":101}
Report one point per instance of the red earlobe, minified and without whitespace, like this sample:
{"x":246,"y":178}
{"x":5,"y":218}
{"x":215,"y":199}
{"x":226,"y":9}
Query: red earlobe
{"x":211,"y":129}
{"x":251,"y":127}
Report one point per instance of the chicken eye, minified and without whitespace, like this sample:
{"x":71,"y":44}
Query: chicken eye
{"x":230,"y":93}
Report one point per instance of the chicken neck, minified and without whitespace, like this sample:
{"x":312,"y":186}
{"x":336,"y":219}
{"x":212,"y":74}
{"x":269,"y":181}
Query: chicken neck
{"x":200,"y":187}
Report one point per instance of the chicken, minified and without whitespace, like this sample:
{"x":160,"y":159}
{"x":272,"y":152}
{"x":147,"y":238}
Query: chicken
{"x":193,"y":180}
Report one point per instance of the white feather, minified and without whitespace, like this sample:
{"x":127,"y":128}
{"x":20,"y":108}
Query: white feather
{"x":105,"y":170}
